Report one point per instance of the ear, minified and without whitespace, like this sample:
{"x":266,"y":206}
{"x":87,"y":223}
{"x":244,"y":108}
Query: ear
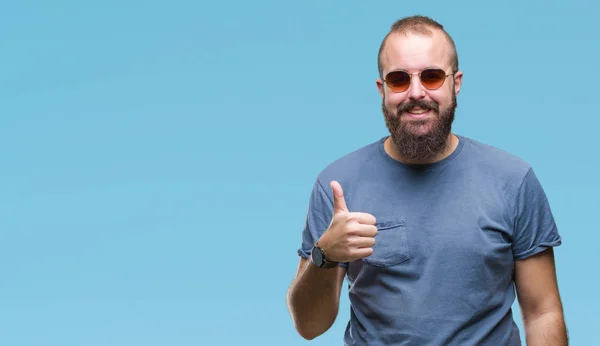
{"x":457,"y":81}
{"x":380,"y":87}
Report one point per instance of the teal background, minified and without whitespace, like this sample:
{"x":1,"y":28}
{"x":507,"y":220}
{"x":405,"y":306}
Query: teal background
{"x":157,"y":157}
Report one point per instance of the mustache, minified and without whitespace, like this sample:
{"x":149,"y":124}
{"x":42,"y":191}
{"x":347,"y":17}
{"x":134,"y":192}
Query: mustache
{"x":427,"y":105}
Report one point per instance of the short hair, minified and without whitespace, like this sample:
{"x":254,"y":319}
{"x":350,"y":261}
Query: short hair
{"x":421,"y":25}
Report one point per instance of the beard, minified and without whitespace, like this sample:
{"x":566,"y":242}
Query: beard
{"x":420,"y":139}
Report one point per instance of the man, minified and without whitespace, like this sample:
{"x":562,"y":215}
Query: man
{"x":436,"y":233}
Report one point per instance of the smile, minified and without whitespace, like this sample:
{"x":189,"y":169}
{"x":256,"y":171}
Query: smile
{"x":418,"y":113}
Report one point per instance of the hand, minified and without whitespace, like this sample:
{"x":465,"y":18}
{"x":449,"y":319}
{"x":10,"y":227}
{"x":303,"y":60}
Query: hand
{"x":350,"y":236}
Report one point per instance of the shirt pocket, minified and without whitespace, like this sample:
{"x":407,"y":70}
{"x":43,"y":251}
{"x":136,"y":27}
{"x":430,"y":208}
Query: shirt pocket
{"x":391,"y":244}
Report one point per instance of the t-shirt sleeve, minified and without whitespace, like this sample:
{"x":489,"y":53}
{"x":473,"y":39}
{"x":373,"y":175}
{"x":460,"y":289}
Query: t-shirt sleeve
{"x":318,"y":219}
{"x":535,"y":227}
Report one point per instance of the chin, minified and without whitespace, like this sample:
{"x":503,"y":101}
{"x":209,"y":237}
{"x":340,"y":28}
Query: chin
{"x":420,"y":127}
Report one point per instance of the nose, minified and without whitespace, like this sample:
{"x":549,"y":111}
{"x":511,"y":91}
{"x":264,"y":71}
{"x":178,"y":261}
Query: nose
{"x":416,"y":89}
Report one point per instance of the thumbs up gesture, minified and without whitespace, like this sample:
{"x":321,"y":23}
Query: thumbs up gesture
{"x":351,"y":235}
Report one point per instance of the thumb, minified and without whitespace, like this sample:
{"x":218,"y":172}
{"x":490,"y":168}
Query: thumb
{"x":339,"y":203}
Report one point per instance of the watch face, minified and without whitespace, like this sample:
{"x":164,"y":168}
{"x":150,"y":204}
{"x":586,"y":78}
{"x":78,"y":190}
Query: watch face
{"x":317,"y":256}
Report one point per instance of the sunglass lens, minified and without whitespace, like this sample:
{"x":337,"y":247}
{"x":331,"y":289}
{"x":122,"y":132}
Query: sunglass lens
{"x":433,"y":79}
{"x":398,"y":80}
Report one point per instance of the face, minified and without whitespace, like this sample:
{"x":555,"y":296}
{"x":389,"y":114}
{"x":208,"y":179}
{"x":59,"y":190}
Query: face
{"x":419,"y":119}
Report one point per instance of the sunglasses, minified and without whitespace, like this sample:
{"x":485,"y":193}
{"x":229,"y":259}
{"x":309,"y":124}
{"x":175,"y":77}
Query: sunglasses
{"x":431,"y":79}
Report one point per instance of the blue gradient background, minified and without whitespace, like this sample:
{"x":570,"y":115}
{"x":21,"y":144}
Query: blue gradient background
{"x":157,"y":157}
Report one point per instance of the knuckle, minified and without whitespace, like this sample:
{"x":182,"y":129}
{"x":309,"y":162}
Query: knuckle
{"x":353,"y":242}
{"x":342,"y":217}
{"x":352,"y":228}
{"x":347,"y":243}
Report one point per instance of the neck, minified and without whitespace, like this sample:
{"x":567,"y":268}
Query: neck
{"x":451,"y":144}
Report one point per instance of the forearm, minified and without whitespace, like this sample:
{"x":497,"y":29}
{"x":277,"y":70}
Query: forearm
{"x":547,"y":329}
{"x":313,"y":300}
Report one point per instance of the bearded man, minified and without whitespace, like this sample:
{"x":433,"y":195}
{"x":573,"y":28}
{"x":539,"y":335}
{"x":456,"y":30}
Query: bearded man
{"x":436,"y":233}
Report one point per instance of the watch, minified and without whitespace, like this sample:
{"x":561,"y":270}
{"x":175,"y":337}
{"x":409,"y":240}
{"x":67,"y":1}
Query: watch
{"x":319,"y":259}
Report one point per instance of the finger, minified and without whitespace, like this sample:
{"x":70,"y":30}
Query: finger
{"x":358,"y":230}
{"x":366,"y":231}
{"x":363,"y":218}
{"x":363,"y":242}
{"x":362,"y":252}
{"x":339,"y":203}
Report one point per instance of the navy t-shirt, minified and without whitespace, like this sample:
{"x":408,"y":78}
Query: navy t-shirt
{"x":449,"y":235}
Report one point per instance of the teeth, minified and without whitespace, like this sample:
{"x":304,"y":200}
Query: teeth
{"x":417,"y":111}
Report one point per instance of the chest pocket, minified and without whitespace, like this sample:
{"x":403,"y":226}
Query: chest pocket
{"x":391,"y":244}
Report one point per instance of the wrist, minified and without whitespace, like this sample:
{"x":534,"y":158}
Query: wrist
{"x":319,"y":258}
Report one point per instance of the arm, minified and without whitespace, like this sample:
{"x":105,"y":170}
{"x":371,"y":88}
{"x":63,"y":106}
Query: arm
{"x":313,"y":298}
{"x":539,"y":300}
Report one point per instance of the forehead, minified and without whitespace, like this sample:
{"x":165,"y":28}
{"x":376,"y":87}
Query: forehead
{"x":414,"y":52}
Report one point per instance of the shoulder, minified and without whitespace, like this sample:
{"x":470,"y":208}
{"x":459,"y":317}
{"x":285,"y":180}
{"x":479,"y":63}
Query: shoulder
{"x":494,"y":162}
{"x":352,"y":165}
